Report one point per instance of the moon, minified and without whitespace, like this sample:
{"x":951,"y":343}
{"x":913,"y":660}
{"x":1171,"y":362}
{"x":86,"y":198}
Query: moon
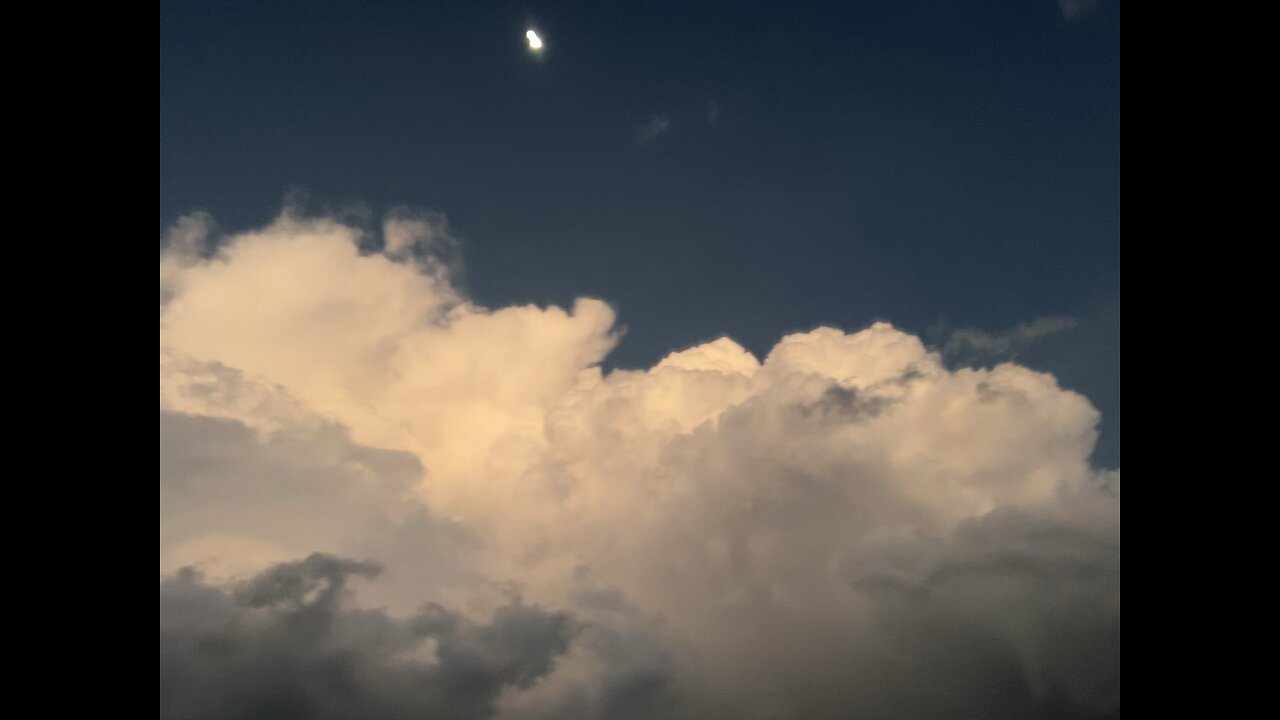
{"x":535,"y":42}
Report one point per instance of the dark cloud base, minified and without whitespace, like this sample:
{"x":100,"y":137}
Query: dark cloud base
{"x":1014,"y":617}
{"x":286,"y":646}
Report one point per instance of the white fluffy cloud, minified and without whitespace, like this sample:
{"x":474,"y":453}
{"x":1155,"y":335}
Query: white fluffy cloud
{"x":844,"y":526}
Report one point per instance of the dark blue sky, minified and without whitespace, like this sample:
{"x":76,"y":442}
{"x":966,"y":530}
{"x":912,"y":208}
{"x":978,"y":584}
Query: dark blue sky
{"x":935,"y":164}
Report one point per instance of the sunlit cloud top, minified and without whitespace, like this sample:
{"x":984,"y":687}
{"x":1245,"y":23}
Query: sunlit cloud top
{"x":562,"y":541}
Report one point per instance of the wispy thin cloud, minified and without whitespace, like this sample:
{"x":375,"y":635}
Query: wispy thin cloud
{"x":656,"y":125}
{"x":1073,"y":10}
{"x":979,"y":342}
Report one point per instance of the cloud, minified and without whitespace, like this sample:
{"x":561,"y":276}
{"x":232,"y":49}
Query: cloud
{"x":1073,"y":10}
{"x":287,"y":644}
{"x":655,"y":126}
{"x":713,"y":112}
{"x":845,"y":525}
{"x":974,"y":342}
{"x":1033,"y":597}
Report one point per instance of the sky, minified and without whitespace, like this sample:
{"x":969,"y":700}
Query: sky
{"x":937,"y":165}
{"x":716,"y":360}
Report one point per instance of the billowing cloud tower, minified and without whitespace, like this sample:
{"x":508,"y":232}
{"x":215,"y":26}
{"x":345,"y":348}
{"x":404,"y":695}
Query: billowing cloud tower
{"x":379,"y":499}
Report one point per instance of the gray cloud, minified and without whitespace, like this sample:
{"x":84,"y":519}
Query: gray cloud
{"x":967,"y":342}
{"x":316,"y":583}
{"x":287,"y":645}
{"x":1030,"y":600}
{"x":841,"y":405}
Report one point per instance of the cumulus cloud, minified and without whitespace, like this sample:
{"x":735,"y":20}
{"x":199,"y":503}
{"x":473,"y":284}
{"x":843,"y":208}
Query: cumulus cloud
{"x":842,"y":526}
